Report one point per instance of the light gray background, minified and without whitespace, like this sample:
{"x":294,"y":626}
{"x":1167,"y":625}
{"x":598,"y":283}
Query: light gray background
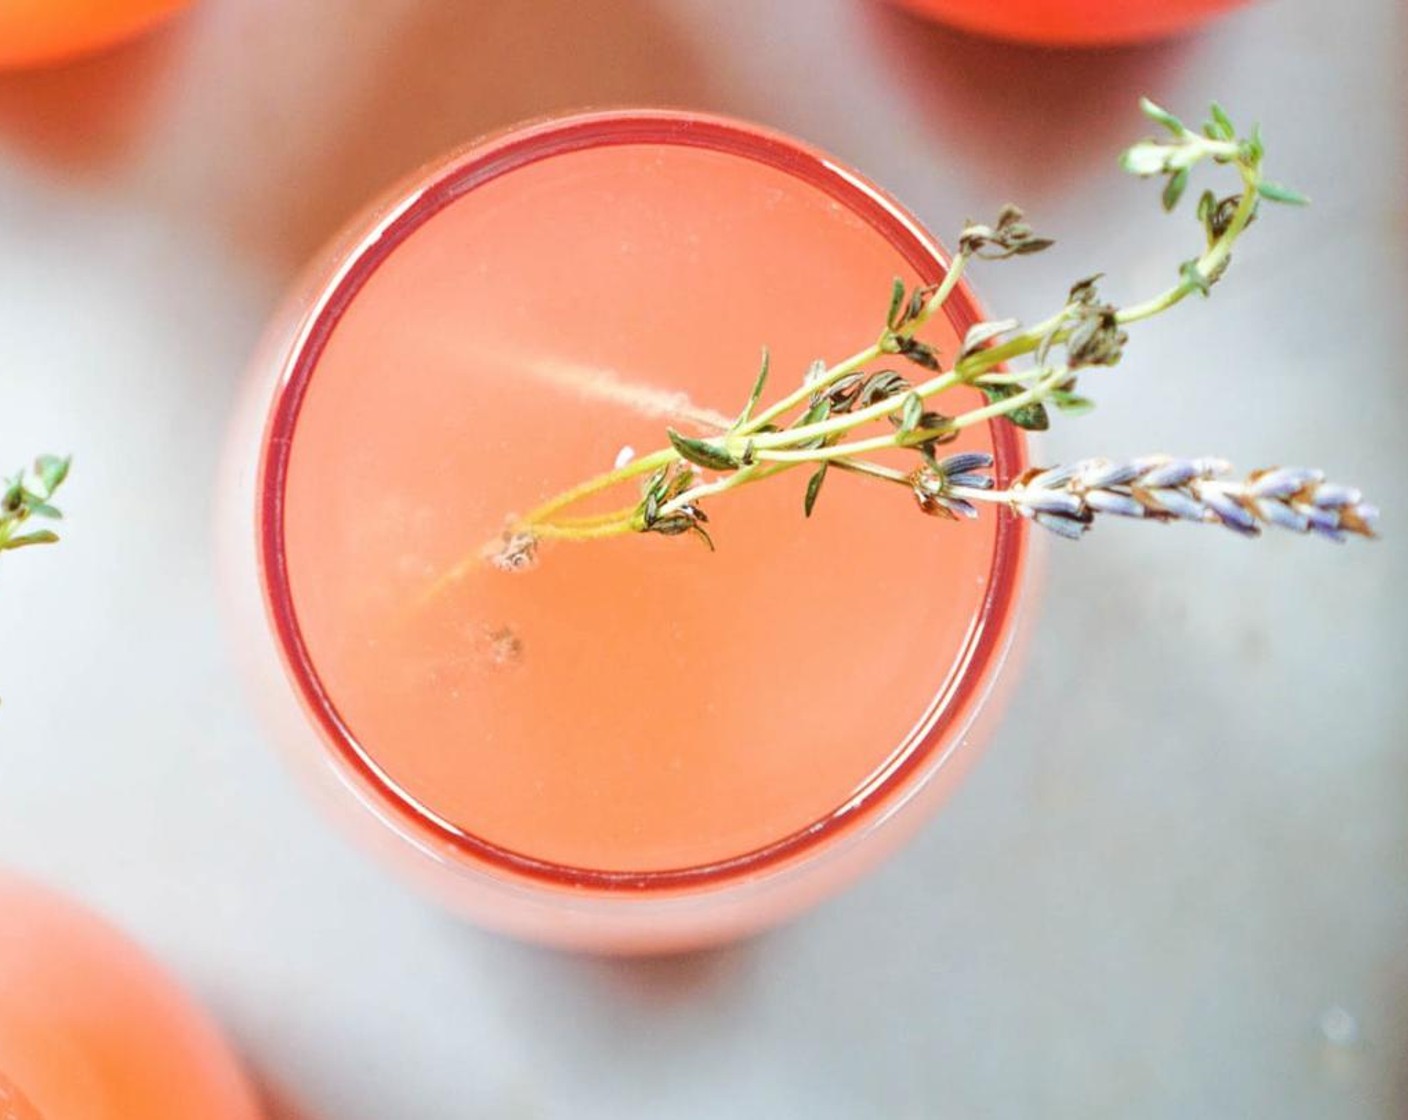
{"x":1189,"y":839}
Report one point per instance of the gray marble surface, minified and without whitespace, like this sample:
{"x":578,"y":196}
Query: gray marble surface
{"x":1189,"y":841}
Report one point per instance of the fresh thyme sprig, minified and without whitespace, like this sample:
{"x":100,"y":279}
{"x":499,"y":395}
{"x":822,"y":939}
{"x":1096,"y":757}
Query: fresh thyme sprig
{"x":30,"y":495}
{"x":840,"y":415}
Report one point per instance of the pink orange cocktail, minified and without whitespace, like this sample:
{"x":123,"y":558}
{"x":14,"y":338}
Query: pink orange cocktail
{"x":639,"y":744}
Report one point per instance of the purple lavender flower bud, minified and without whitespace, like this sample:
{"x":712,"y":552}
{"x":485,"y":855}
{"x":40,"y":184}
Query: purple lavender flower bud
{"x":1178,"y":504}
{"x":1053,"y":477}
{"x":1283,"y":482}
{"x":1108,"y":501}
{"x":1231,"y":512}
{"x":1325,"y":522}
{"x":965,"y":462}
{"x":1050,"y":501}
{"x":1176,"y":472}
{"x":1069,"y":527}
{"x":972,"y":481}
{"x":1279,"y":513}
{"x":1329,"y":495}
{"x":1096,"y":474}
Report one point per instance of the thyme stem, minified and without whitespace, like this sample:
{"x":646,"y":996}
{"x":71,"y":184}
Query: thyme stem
{"x":635,"y":468}
{"x":832,"y":402}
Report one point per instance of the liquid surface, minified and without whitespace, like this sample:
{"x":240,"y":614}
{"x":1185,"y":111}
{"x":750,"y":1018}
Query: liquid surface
{"x":638,"y":703}
{"x":90,"y":1029}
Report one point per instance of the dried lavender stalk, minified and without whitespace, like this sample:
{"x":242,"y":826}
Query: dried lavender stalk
{"x":1068,"y":499}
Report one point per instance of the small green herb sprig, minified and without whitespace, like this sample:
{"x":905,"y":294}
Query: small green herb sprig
{"x":30,"y":495}
{"x":842,"y":415}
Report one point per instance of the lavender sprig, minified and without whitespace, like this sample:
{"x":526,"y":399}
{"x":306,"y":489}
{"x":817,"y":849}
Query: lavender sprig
{"x":1068,"y":499}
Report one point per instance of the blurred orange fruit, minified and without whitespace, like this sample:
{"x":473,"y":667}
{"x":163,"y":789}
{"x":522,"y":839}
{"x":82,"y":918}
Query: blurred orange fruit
{"x":39,"y":32}
{"x":1072,"y":22}
{"x":92,"y":1029}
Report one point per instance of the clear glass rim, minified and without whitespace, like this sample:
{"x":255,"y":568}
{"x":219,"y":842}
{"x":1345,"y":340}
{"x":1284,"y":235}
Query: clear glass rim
{"x":437,"y":188}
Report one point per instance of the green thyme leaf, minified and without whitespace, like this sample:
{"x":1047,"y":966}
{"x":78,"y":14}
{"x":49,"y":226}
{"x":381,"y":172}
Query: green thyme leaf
{"x":880,"y":386}
{"x":980,"y":334}
{"x":814,"y":488}
{"x":820,"y":410}
{"x":701,"y":452}
{"x":39,"y":536}
{"x":757,"y":391}
{"x":656,"y":479}
{"x":52,"y":471}
{"x":680,"y":480}
{"x":1012,"y":236}
{"x":1162,"y":116}
{"x":1031,"y":416}
{"x":843,"y":393}
{"x":672,"y":525}
{"x":895,"y":315}
{"x":1279,"y":192}
{"x":937,"y":422}
{"x":1222,"y":127}
{"x":1174,"y":188}
{"x":1255,"y":147}
{"x":20,"y":501}
{"x":917,"y":299}
{"x":1071,"y":403}
{"x":920,"y":353}
{"x":911,"y":412}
